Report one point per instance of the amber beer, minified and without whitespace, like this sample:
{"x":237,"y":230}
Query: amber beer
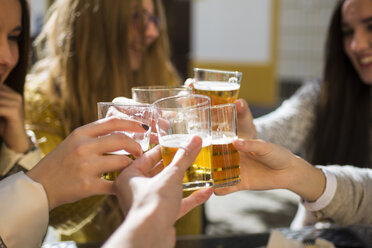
{"x":199,"y":174}
{"x":226,"y":169}
{"x":219,"y":92}
{"x":114,"y":174}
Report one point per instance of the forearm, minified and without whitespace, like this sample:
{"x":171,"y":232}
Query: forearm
{"x":141,"y":228}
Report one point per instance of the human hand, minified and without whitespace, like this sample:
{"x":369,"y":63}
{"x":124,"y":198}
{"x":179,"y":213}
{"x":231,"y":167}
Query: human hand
{"x":246,"y":128}
{"x":266,"y":166}
{"x":73,"y":170}
{"x":128,"y":101}
{"x":12,"y":127}
{"x":157,"y":199}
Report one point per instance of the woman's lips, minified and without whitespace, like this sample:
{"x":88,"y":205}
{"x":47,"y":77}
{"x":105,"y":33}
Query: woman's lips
{"x":365,"y":62}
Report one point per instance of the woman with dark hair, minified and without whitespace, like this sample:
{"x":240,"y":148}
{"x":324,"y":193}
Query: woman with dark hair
{"x":17,"y":151}
{"x":328,"y":121}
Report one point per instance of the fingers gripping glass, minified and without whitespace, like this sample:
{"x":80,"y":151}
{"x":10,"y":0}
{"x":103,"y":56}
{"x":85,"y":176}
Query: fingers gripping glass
{"x":140,"y":112}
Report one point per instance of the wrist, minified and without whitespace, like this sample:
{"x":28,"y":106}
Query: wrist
{"x":133,"y":230}
{"x":309,"y":182}
{"x":40,"y":177}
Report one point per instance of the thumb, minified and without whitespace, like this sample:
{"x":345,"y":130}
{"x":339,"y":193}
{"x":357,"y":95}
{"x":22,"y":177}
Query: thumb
{"x":257,"y":147}
{"x":241,"y":106}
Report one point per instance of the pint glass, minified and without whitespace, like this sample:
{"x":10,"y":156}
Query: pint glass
{"x":177,"y":119}
{"x":149,"y":94}
{"x":221,"y":86}
{"x":226,"y":169}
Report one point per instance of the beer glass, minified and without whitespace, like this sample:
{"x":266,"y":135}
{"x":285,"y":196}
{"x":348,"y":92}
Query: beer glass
{"x":225,"y":158}
{"x":149,"y":94}
{"x":177,"y":119}
{"x":139,"y":112}
{"x":221,"y":86}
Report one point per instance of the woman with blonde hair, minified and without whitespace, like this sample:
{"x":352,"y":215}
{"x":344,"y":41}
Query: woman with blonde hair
{"x":93,"y":51}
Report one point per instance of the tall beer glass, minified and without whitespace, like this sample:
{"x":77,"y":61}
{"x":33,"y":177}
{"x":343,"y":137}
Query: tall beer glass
{"x":149,"y":94}
{"x":139,"y":112}
{"x":221,"y":86}
{"x":226,"y":169}
{"x":177,"y":119}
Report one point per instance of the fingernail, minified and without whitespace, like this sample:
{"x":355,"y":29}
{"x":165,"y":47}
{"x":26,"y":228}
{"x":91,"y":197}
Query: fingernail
{"x":241,"y":103}
{"x":189,"y":142}
{"x":144,"y":126}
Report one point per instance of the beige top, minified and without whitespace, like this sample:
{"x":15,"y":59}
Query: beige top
{"x":352,"y":200}
{"x":12,"y":162}
{"x":23,"y":211}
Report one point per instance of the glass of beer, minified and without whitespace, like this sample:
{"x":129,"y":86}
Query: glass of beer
{"x":221,"y":86}
{"x":178,"y":118}
{"x":225,"y":158}
{"x":150,"y":94}
{"x":138,"y":112}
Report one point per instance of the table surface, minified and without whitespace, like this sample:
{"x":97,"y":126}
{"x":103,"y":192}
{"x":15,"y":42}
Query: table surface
{"x":352,"y":237}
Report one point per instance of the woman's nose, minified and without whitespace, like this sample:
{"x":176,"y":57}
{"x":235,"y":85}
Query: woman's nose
{"x":6,"y":56}
{"x":360,"y":41}
{"x":152,"y":33}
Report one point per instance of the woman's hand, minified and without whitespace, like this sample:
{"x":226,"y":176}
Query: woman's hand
{"x":12,"y":127}
{"x":267,"y":166}
{"x":154,"y":203}
{"x":147,"y":174}
{"x":73,"y":170}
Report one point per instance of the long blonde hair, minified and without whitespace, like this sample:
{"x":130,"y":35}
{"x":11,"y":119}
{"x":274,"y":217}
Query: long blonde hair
{"x":84,"y":46}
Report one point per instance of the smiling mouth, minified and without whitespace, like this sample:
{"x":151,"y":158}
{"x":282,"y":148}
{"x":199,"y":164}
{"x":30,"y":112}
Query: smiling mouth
{"x":366,"y":60}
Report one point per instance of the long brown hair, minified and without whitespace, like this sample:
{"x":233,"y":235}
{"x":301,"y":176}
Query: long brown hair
{"x":16,"y":78}
{"x":341,"y":132}
{"x":86,"y":56}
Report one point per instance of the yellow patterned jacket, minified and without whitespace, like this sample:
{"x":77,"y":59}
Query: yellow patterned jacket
{"x":90,"y":220}
{"x":95,"y":218}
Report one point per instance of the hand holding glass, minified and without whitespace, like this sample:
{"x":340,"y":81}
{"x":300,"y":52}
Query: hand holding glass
{"x":140,"y":112}
{"x":177,"y":120}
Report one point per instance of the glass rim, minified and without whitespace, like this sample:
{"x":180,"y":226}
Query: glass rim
{"x":224,"y":105}
{"x":217,"y":71}
{"x":118,"y":104}
{"x":160,"y":87}
{"x":206,"y":103}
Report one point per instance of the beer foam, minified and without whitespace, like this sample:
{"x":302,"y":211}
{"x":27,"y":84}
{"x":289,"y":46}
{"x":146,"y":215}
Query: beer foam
{"x":223,"y":140}
{"x":178,"y":140}
{"x":216,"y":86}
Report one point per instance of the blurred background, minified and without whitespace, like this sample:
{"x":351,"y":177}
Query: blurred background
{"x":277,"y":44}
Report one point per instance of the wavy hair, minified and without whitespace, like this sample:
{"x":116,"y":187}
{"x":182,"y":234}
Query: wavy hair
{"x":84,"y":50}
